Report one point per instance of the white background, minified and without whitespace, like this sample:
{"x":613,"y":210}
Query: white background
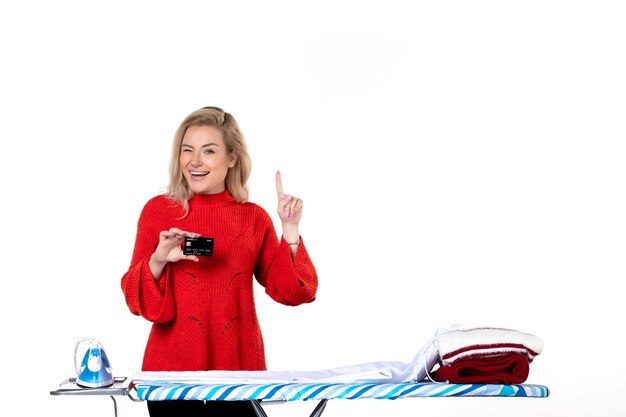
{"x":460,"y":162}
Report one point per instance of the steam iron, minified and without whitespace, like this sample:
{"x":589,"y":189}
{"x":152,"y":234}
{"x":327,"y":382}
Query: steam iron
{"x":95,"y":370}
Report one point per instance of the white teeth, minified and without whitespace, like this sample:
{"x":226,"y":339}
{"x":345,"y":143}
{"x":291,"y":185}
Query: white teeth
{"x":198,"y":172}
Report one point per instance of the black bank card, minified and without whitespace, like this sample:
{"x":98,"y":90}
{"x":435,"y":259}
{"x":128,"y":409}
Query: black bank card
{"x":199,"y":246}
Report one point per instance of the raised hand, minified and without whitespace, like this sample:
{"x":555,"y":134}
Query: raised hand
{"x":289,"y":207}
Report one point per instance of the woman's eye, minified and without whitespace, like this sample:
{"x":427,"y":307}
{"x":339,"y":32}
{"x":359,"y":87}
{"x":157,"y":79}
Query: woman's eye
{"x":209,"y":151}
{"x":186,"y":150}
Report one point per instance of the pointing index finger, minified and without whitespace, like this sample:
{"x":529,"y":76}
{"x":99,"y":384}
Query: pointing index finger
{"x":279,"y":186}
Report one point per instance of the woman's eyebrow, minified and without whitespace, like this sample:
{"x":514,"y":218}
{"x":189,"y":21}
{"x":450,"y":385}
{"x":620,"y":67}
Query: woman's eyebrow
{"x":203,"y":146}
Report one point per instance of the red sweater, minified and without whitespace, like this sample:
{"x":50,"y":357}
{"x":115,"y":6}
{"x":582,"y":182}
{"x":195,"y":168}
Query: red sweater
{"x":203,"y":313}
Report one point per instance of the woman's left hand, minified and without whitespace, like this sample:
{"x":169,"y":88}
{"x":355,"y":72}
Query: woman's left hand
{"x":289,"y":207}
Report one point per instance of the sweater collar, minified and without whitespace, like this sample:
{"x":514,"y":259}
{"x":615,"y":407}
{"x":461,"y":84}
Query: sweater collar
{"x":212,"y":200}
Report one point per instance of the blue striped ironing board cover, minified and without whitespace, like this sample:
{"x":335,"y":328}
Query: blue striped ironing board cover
{"x":160,"y":391}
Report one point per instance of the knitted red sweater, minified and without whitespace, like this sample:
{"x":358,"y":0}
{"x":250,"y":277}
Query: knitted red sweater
{"x":203,"y":313}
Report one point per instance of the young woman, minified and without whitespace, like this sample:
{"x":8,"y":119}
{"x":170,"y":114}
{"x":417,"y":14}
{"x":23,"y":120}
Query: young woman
{"x":202,"y":307}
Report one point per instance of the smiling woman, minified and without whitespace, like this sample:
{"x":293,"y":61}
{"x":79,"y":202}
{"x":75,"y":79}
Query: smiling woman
{"x":209,"y":132}
{"x":205,"y":160}
{"x":202,"y":304}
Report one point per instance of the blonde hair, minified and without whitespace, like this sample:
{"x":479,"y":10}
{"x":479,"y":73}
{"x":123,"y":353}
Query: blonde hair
{"x":237,"y":177}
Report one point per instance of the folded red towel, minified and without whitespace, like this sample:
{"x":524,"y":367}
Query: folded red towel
{"x":507,"y":369}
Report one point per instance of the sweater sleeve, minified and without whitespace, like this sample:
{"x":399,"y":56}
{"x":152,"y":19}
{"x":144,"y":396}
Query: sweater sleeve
{"x":144,"y":295}
{"x":288,"y":281}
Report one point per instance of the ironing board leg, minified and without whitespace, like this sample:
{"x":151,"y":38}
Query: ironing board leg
{"x":317,"y":412}
{"x":114,"y":405}
{"x":258,"y":409}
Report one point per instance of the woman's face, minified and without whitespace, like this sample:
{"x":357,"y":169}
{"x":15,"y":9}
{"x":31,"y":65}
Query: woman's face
{"x":205,"y":160}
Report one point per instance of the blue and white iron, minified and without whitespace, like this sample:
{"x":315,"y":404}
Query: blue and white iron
{"x":95,"y":370}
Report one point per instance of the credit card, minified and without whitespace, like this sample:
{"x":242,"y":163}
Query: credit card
{"x":199,"y":246}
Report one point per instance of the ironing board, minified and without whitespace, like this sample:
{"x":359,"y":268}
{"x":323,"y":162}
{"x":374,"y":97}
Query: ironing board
{"x":283,"y":392}
{"x":373,"y":380}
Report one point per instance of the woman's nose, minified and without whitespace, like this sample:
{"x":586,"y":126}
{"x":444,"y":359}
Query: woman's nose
{"x":196,"y":160}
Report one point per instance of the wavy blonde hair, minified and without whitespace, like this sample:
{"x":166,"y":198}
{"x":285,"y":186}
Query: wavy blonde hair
{"x":237,"y":177}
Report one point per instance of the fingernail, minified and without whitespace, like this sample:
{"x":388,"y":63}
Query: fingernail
{"x":287,"y":213}
{"x":287,"y":197}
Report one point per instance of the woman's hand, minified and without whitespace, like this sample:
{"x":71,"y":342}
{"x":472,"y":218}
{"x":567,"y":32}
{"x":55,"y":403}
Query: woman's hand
{"x":290,"y":213}
{"x":169,"y":250}
{"x":289,"y":207}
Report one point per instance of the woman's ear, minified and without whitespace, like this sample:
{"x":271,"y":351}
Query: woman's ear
{"x":233,"y":159}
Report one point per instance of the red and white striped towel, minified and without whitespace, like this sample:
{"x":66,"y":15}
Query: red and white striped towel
{"x":457,"y":345}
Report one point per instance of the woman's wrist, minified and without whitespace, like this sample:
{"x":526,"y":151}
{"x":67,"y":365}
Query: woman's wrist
{"x":291,"y":234}
{"x":156,"y":267}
